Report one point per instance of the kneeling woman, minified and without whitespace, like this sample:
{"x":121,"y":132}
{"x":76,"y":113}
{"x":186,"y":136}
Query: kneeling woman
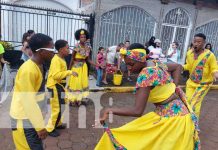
{"x":171,"y":126}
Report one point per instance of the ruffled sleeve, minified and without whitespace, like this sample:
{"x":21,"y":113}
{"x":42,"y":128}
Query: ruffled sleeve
{"x":153,"y":76}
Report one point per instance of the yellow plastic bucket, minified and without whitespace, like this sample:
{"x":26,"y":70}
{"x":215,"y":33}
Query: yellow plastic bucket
{"x":117,"y":78}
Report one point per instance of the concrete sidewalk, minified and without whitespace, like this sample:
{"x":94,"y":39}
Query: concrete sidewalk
{"x":75,"y":138}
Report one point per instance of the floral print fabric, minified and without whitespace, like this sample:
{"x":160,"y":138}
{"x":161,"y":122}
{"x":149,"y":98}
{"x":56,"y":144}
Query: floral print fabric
{"x":83,"y":51}
{"x":174,"y":108}
{"x":197,"y":74}
{"x":154,"y":76}
{"x":137,"y":56}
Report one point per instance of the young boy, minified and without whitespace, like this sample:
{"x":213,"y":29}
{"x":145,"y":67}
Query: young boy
{"x":56,"y":84}
{"x":28,"y":128}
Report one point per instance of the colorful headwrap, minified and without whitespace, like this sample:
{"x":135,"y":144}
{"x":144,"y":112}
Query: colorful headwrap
{"x":135,"y":54}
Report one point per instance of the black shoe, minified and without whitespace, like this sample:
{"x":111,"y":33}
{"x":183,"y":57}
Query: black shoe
{"x":62,"y":126}
{"x":54,"y":133}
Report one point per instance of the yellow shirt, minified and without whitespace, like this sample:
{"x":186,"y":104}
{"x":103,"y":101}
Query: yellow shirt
{"x":208,"y":69}
{"x":25,"y":97}
{"x":57,"y":71}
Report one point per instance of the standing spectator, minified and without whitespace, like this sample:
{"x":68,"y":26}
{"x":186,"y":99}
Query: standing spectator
{"x":25,"y":48}
{"x":112,"y":60}
{"x":117,"y":55}
{"x":88,"y":44}
{"x":2,"y":51}
{"x":150,"y":42}
{"x":27,"y":53}
{"x":173,"y":54}
{"x":100,"y":61}
{"x":209,"y":46}
{"x":110,"y":67}
{"x":156,"y":50}
{"x":127,"y":44}
{"x":31,"y":32}
{"x":123,"y":66}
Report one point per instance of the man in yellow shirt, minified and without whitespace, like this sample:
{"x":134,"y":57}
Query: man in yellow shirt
{"x":202,"y":67}
{"x":56,"y":86}
{"x":28,"y":127}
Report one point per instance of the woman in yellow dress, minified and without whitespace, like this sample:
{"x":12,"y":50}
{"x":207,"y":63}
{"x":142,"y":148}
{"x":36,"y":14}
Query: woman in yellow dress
{"x":171,"y":126}
{"x":78,"y":86}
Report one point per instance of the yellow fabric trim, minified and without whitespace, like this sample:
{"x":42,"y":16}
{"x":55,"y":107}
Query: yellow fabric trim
{"x":139,"y":50}
{"x":124,"y":51}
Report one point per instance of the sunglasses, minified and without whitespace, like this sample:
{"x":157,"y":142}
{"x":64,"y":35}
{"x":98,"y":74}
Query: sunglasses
{"x":47,"y":49}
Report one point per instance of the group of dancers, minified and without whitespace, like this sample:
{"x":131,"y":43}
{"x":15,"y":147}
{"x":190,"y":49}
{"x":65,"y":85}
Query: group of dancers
{"x":173,"y":125}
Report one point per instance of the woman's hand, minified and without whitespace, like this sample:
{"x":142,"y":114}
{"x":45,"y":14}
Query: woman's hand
{"x":104,"y":117}
{"x":74,"y":74}
{"x":4,"y":61}
{"x":101,"y":121}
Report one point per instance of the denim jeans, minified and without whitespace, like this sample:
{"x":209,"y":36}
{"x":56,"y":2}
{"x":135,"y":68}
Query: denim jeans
{"x":99,"y":76}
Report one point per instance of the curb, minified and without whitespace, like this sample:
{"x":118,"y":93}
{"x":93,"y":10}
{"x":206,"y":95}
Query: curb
{"x":127,"y":89}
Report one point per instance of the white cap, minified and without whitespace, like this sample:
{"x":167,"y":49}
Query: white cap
{"x":157,"y":41}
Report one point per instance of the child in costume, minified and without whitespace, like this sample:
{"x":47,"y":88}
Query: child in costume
{"x":56,"y":87}
{"x":28,"y":128}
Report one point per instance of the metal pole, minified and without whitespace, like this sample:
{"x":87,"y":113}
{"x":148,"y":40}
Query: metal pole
{"x":47,"y":22}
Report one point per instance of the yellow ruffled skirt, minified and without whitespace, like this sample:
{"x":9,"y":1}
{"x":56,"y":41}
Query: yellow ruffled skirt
{"x":169,"y":127}
{"x":78,"y":86}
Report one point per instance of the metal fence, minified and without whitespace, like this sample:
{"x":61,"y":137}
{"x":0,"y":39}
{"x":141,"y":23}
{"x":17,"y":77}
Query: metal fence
{"x":175,"y":27}
{"x":125,"y":23}
{"x":17,"y":19}
{"x":211,"y":31}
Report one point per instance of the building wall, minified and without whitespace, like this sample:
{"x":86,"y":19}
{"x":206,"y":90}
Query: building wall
{"x":158,"y":11}
{"x":65,"y":5}
{"x":206,"y":15}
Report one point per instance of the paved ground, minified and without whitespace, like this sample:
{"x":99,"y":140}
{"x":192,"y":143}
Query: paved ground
{"x":81,"y":139}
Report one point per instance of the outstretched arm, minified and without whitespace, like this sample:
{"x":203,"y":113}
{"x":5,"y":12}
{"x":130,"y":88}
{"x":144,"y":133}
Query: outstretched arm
{"x":135,"y":111}
{"x":175,"y":70}
{"x":91,"y":62}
